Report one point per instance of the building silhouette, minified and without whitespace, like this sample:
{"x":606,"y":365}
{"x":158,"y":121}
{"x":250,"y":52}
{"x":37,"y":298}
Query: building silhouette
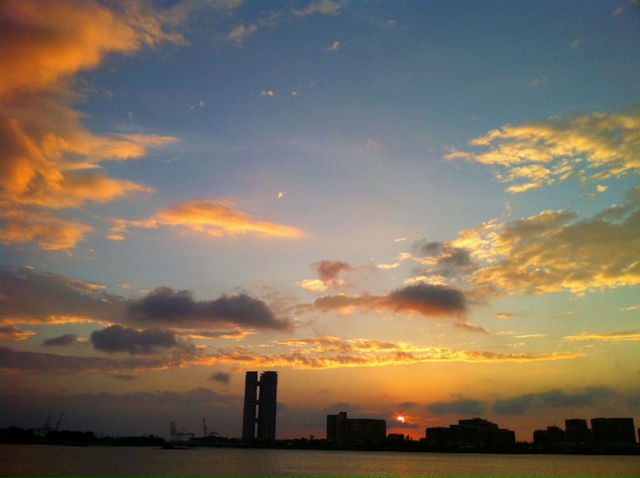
{"x":553,"y":436}
{"x":355,"y":431}
{"x":260,"y":406}
{"x":613,"y":431}
{"x":472,"y":433}
{"x":607,"y":432}
{"x":577,"y":431}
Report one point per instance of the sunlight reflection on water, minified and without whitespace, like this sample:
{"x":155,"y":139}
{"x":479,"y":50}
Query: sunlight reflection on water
{"x":41,"y":460}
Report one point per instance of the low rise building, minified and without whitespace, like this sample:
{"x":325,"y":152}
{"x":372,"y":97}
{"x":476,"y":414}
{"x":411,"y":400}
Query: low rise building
{"x":472,"y":433}
{"x":355,"y":431}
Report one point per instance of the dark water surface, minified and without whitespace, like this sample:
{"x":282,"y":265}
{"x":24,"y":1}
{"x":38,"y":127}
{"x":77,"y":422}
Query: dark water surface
{"x":47,"y":460}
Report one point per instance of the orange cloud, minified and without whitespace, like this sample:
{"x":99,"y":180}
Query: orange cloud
{"x":48,"y":157}
{"x":332,"y":352}
{"x":45,"y":42}
{"x":214,"y":218}
{"x":52,"y":232}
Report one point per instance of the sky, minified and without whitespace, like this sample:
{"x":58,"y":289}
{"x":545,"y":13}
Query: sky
{"x":427,"y":210}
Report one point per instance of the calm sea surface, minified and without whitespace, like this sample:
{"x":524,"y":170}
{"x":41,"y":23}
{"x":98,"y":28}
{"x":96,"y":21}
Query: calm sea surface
{"x":47,"y":460}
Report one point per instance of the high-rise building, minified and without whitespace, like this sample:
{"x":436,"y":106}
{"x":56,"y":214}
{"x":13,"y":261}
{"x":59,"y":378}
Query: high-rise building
{"x":267,"y":406}
{"x":260,"y":409}
{"x":250,"y":404}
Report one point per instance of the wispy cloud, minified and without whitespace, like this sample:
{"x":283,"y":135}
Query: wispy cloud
{"x":575,"y":44}
{"x":605,"y":337}
{"x":322,"y":7}
{"x":505,"y":315}
{"x":334,"y":47}
{"x":240,"y":33}
{"x":214,"y":218}
{"x":591,"y":147}
{"x":332,"y":352}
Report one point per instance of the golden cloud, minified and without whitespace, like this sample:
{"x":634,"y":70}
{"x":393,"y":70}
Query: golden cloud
{"x":214,"y":218}
{"x":591,"y":147}
{"x":555,"y":251}
{"x":333,"y":352}
{"x":49,"y":320}
{"x":605,"y":337}
{"x":314,"y":285}
{"x":48,"y":159}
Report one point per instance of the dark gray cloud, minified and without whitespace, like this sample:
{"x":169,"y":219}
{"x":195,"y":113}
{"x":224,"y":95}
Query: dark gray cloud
{"x":457,"y":407}
{"x":221,"y":377}
{"x":169,"y":307}
{"x":32,"y":297}
{"x":61,"y":341}
{"x":38,"y":362}
{"x":447,"y":260}
{"x":552,"y":399}
{"x":117,"y":338}
{"x":28,"y":296}
{"x":428,"y":299}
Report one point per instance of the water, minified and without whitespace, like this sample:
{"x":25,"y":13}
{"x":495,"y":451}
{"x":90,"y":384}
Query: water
{"x":47,"y":460}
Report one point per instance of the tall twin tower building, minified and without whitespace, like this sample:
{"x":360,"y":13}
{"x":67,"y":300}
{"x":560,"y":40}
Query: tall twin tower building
{"x":260,"y":409}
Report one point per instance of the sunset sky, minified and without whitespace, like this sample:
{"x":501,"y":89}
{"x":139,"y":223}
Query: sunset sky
{"x":420,"y":209}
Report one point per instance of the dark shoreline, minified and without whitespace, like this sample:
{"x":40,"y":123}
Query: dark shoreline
{"x":19,"y":436}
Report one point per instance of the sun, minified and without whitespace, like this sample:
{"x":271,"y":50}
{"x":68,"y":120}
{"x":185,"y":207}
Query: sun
{"x":401,"y":419}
